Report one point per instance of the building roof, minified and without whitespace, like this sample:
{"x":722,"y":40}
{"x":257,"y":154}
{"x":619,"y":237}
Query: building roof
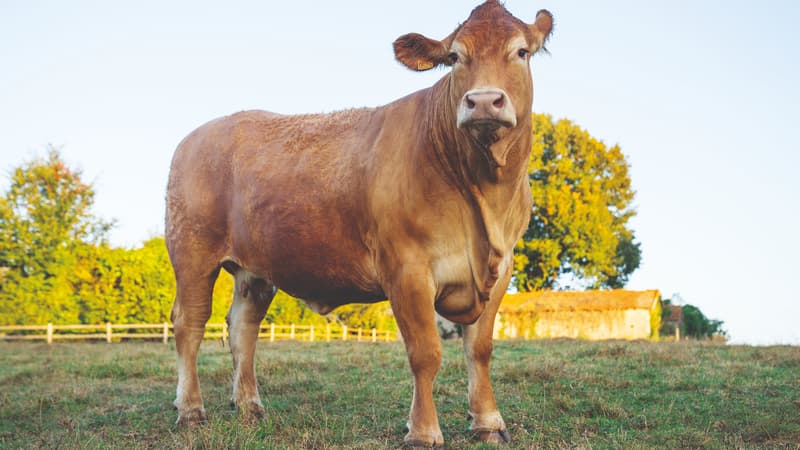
{"x":675,"y":313}
{"x":617,"y":299}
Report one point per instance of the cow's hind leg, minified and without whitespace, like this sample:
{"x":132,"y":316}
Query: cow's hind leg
{"x":190,"y":312}
{"x":251,"y":299}
{"x":487,"y":423}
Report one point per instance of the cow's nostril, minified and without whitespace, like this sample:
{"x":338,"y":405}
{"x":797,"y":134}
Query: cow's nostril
{"x":499,"y":102}
{"x":470,"y":103}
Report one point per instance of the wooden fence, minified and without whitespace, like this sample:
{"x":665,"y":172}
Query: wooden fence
{"x":163,"y":331}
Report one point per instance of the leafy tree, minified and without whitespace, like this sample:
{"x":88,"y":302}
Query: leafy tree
{"x":125,"y":285}
{"x":698,"y":326}
{"x":581,"y":206}
{"x":693,"y":322}
{"x":45,"y":225}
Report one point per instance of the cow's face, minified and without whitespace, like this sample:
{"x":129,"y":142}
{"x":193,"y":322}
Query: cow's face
{"x":491,"y":89}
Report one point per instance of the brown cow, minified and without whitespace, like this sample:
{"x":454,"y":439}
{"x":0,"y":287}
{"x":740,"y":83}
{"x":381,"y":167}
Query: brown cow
{"x":420,"y":201}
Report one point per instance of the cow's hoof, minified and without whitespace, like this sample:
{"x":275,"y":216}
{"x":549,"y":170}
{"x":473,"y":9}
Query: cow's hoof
{"x":489,"y":427}
{"x":252,"y":410}
{"x":496,"y":437}
{"x":192,"y":418}
{"x":421,"y":444}
{"x":423,"y":440}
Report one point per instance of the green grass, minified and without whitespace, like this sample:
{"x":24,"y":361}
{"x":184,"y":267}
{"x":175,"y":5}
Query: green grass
{"x":552,"y":394}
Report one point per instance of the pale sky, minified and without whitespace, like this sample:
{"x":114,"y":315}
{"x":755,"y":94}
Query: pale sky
{"x":702,"y":96}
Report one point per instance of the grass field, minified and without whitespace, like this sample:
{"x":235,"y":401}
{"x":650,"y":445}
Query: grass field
{"x":552,"y":394}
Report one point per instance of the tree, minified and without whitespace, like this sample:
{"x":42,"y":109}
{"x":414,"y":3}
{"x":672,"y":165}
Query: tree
{"x":692,"y":322}
{"x":124,"y":285}
{"x":582,"y":196}
{"x":45,"y":225}
{"x":698,"y":326}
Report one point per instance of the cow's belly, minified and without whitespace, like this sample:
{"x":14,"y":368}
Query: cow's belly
{"x":316,"y":258}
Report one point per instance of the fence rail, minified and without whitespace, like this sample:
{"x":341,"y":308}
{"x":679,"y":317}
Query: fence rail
{"x":272,"y":332}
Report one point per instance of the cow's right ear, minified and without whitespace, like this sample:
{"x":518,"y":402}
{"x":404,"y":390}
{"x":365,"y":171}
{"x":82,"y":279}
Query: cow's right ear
{"x":419,"y":53}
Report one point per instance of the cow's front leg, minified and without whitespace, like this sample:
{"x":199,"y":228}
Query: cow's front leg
{"x":487,"y":423}
{"x":251,"y":299}
{"x":412,"y":303}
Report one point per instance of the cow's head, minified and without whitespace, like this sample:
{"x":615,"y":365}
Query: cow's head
{"x":490,"y":89}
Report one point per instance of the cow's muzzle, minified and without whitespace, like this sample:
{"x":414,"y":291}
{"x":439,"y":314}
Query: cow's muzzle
{"x":485,"y":110}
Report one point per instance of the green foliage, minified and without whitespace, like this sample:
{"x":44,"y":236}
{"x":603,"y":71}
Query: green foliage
{"x":45,"y":226}
{"x":581,"y":206}
{"x":693,"y":324}
{"x":125,"y":285}
{"x":698,"y":326}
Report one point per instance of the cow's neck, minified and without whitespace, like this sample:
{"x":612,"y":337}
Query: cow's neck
{"x":492,"y":189}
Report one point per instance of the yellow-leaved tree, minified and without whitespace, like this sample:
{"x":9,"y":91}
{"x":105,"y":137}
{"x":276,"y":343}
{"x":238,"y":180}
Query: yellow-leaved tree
{"x":579,"y":236}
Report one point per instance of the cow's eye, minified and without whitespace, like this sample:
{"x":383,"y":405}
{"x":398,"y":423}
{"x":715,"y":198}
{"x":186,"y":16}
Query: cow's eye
{"x":453,"y":57}
{"x":523,"y":53}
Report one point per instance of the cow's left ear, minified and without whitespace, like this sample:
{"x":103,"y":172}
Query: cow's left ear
{"x":542,"y":28}
{"x":419,"y":53}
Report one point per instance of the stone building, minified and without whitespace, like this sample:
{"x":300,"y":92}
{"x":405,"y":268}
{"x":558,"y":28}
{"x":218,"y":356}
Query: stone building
{"x":592,"y":315}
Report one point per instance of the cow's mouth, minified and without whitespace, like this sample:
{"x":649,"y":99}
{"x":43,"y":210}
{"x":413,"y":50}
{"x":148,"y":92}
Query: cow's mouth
{"x":486,"y":131}
{"x":487,"y":134}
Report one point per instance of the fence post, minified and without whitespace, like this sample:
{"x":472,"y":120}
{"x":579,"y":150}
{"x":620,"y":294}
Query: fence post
{"x":49,"y":333}
{"x":374,"y":335}
{"x":358,"y":338}
{"x":291,"y":332}
{"x":225,"y":332}
{"x":677,"y":334}
{"x":311,"y":334}
{"x":344,"y":332}
{"x":272,"y":332}
{"x":328,"y":332}
{"x":387,"y":336}
{"x":166,"y":332}
{"x":108,"y":332}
